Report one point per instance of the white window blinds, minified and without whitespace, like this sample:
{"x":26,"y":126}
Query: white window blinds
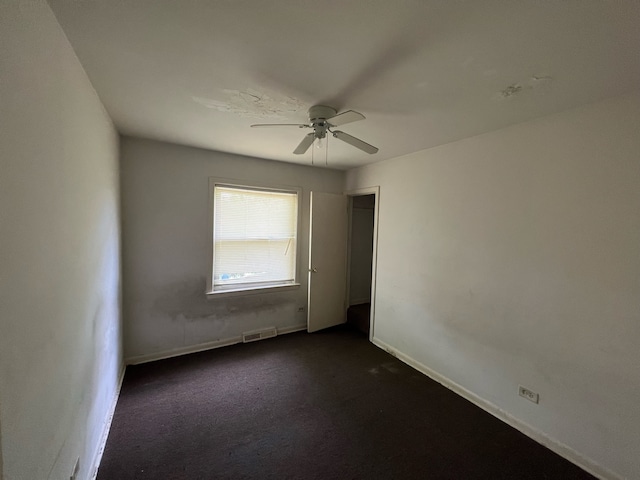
{"x":254,"y":237}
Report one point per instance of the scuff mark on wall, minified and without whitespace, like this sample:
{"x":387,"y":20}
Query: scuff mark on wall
{"x":253,"y":103}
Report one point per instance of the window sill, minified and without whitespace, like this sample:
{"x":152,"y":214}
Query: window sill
{"x":253,"y":291}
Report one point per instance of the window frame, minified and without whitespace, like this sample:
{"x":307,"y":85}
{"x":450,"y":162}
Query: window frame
{"x":245,"y":290}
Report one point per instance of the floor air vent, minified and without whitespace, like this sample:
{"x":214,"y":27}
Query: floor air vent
{"x":259,"y":334}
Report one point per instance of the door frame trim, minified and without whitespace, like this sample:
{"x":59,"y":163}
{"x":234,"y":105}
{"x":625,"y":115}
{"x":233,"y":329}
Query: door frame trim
{"x":375,"y":191}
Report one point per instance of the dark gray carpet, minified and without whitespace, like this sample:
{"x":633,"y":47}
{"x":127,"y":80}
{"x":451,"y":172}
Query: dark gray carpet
{"x":328,"y":405}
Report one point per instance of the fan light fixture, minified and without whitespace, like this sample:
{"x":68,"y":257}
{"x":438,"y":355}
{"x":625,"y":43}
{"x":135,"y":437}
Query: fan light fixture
{"x":322,"y":119}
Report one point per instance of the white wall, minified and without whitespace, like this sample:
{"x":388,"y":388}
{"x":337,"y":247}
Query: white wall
{"x":60,"y":354}
{"x":166,"y":247}
{"x":513,"y":258}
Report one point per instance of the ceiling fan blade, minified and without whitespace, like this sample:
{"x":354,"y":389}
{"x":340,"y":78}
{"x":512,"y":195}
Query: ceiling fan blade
{"x":345,"y":117}
{"x":356,"y":142}
{"x":305,"y":143}
{"x":262,"y":125}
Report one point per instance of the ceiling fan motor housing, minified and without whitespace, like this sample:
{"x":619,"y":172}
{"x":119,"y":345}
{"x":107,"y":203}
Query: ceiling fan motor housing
{"x":320,"y":112}
{"x":318,"y":115}
{"x":321,"y":119}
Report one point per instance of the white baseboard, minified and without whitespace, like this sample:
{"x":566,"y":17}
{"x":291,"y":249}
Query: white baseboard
{"x":558,"y":447}
{"x":176,"y":352}
{"x":105,"y":429}
{"x":201,"y":347}
{"x":292,"y":329}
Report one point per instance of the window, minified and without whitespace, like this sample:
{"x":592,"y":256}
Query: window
{"x":254,"y":237}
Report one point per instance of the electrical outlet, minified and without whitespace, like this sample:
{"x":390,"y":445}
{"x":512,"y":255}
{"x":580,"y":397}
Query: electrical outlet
{"x":301,"y":309}
{"x":76,"y":469}
{"x":528,"y":394}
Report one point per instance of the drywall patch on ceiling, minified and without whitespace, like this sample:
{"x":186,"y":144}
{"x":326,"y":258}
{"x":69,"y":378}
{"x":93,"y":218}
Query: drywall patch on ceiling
{"x":253,"y":103}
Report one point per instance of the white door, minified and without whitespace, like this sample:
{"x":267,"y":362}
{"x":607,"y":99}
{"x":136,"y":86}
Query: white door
{"x":327,"y":261}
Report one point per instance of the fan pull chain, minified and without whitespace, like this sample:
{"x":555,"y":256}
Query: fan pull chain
{"x":326,"y":151}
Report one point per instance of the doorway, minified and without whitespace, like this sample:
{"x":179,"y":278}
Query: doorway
{"x":361,"y":260}
{"x":342,"y":259}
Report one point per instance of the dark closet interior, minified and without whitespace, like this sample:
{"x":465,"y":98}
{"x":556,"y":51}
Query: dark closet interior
{"x":360,"y":261}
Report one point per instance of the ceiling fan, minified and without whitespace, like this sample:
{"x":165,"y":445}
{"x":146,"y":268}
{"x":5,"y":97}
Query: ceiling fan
{"x":322,"y":119}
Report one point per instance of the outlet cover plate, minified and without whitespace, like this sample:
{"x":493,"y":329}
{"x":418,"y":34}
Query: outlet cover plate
{"x":528,"y":394}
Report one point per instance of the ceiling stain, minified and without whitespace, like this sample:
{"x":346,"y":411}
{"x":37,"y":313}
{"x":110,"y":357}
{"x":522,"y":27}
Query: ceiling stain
{"x":540,"y":83}
{"x":253,"y":103}
{"x":511,"y":90}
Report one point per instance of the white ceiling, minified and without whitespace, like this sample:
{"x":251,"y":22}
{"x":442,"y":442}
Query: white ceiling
{"x":423,"y":72}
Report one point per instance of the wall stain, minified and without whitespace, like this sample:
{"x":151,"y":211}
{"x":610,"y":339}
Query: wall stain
{"x":187,"y":301}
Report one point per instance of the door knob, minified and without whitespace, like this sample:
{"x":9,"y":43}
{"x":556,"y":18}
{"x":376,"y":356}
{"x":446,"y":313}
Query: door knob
{"x":313,"y":270}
